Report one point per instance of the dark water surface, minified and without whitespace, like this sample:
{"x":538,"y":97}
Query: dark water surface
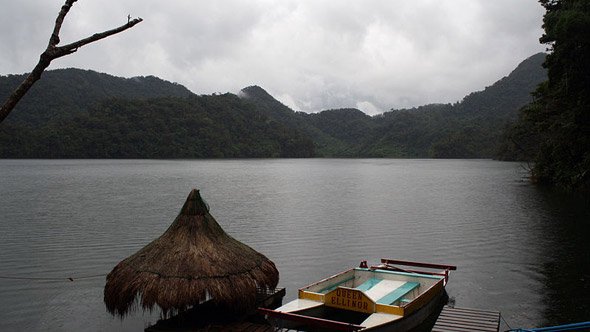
{"x":520,"y":250}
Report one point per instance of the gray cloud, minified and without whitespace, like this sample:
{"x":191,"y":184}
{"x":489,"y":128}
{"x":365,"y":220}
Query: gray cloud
{"x":312,"y":55}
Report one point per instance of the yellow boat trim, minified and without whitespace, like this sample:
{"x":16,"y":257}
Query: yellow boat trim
{"x":311,"y":296}
{"x":389,"y":309}
{"x":423,"y":299}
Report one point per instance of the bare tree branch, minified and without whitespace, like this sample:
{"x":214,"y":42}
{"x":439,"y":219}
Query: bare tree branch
{"x":53,"y":52}
{"x":73,"y":47}
{"x":54,"y":39}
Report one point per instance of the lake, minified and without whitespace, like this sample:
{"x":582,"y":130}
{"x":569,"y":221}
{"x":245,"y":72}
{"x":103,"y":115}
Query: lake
{"x":519,"y":249}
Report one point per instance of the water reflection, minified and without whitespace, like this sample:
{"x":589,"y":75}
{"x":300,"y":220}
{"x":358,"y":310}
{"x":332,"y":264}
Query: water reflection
{"x":566,"y":267}
{"x":519,"y":250}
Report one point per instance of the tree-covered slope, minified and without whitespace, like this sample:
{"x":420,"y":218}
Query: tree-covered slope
{"x":266,"y":104}
{"x":74,"y":113}
{"x":471,"y":128}
{"x":554,"y":130}
{"x":220,"y":126}
{"x":63,"y":93}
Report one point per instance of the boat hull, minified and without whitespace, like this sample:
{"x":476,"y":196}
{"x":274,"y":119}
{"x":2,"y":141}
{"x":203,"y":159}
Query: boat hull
{"x":380,"y":298}
{"x":422,"y":320}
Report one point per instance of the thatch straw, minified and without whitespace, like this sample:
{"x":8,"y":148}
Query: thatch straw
{"x":193,"y":261}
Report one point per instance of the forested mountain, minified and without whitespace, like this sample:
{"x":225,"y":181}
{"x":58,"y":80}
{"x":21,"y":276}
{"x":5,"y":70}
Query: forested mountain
{"x":470,"y":128}
{"x":219,"y":126}
{"x":74,"y":113}
{"x":324,"y":143}
{"x":467,"y":129}
{"x":62,"y":93}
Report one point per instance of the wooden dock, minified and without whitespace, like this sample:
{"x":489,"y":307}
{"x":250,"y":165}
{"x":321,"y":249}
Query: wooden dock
{"x":240,"y":327}
{"x":451,"y":319}
{"x":462,"y":319}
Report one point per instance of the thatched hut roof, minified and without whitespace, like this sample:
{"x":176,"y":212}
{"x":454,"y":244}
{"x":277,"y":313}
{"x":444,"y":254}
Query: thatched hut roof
{"x":193,"y":261}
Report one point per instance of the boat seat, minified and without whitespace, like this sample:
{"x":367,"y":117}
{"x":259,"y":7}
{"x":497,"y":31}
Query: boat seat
{"x":365,"y":286}
{"x":398,"y":293}
{"x":332,"y":287}
{"x":383,"y":288}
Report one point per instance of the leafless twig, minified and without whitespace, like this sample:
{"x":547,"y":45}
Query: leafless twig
{"x":53,"y":52}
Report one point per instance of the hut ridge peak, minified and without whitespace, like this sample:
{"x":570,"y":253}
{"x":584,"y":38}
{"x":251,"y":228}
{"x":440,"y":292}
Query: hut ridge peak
{"x":194,"y":205}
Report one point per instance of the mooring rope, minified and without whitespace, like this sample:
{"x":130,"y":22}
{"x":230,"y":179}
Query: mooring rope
{"x":505,"y":322}
{"x":53,"y":278}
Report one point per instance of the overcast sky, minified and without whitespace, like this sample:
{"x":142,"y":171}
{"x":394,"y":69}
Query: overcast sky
{"x":310,"y":54}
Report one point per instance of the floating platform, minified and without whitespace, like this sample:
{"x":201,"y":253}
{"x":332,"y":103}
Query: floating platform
{"x":462,"y":319}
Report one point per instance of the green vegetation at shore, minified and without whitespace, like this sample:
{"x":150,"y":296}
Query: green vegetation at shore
{"x":554,"y":130}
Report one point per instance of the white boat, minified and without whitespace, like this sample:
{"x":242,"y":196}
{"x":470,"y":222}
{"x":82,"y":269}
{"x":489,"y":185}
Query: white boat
{"x":385,"y":297}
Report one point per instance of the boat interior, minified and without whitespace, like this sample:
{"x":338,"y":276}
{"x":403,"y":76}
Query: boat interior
{"x":381,"y":286}
{"x":363,"y":296}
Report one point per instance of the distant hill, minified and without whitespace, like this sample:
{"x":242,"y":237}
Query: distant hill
{"x":470,"y":128}
{"x":298,"y":121}
{"x":62,"y":93}
{"x":219,"y":126}
{"x":72,"y":113}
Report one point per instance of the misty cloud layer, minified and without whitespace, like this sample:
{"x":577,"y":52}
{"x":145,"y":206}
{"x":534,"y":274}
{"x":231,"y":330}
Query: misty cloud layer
{"x":312,"y":55}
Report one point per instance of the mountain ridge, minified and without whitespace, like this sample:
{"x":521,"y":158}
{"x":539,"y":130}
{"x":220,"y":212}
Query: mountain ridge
{"x":82,"y":89}
{"x":122,"y":113}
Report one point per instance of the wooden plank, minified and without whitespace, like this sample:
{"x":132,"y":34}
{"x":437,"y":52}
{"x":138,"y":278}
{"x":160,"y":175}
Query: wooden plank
{"x":449,"y":329}
{"x":470,"y":315}
{"x":488,"y":324}
{"x":418,"y":264}
{"x":492,"y":327}
{"x":459,"y":320}
{"x":467,"y":319}
{"x":458,"y":323}
{"x":470,"y":318}
{"x":465,"y":327}
{"x":467,"y":310}
{"x":485,"y":319}
{"x":459,"y":329}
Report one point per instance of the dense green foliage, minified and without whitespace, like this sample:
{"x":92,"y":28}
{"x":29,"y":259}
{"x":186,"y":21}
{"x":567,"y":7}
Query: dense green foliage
{"x":62,"y":93}
{"x":275,"y":110}
{"x":82,"y":114}
{"x":554,"y":130}
{"x":220,"y":126}
{"x":471,"y":128}
{"x":467,"y":129}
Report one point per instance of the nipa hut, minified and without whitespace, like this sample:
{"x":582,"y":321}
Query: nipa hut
{"x":192,"y":262}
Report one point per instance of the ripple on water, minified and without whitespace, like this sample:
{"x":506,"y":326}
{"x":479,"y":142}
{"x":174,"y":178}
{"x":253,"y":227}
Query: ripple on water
{"x":313,"y":218}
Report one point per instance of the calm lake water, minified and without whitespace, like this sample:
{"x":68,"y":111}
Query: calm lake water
{"x":520,"y":250}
